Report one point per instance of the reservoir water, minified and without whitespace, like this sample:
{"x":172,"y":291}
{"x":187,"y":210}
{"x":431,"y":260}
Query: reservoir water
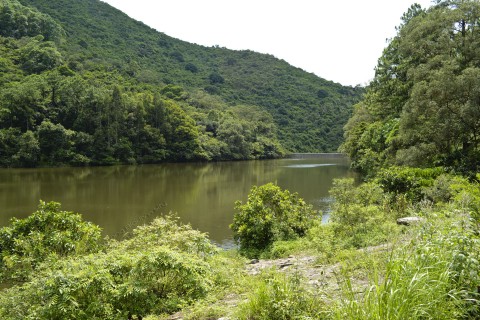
{"x":119,"y":198}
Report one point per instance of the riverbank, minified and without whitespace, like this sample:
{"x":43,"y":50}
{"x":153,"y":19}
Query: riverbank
{"x":359,"y":285}
{"x":340,"y":270}
{"x":324,"y":280}
{"x":428,"y":269}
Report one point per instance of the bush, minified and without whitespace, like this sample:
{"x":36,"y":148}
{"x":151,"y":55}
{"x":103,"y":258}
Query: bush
{"x":358,"y":217}
{"x":409,"y":181}
{"x":160,"y":269}
{"x":323,"y":240}
{"x":467,"y":196}
{"x":48,"y":232}
{"x":270,"y":214}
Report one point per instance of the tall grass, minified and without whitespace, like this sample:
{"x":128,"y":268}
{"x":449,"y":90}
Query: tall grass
{"x":279,"y":296}
{"x":435,"y":276}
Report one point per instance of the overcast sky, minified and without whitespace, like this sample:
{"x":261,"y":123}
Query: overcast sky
{"x":339,"y":40}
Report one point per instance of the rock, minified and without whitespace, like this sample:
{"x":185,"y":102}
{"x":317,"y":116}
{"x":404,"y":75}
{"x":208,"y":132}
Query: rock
{"x":285,"y":264}
{"x":176,"y":316}
{"x":254,"y":261}
{"x":407,"y":221}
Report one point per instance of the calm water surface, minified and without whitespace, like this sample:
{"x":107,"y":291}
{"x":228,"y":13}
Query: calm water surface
{"x":203,"y":194}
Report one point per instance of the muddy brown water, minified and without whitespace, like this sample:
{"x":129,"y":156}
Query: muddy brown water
{"x":119,"y":198}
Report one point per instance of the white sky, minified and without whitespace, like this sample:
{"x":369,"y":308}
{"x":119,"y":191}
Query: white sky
{"x":339,"y":40}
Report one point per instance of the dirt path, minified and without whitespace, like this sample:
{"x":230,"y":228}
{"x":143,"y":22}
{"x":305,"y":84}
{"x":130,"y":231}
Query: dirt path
{"x":324,"y":280}
{"x":317,"y":276}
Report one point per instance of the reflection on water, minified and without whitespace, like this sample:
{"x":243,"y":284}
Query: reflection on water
{"x":203,"y":194}
{"x":310,"y":165}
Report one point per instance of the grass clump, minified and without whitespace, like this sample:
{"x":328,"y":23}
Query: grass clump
{"x":280,"y":296}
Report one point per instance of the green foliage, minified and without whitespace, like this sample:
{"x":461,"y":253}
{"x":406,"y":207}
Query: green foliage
{"x":81,"y":66}
{"x":435,"y":276}
{"x":422,"y":107}
{"x":322,"y":238}
{"x":109,"y":286}
{"x":429,"y":271}
{"x":358,"y":215}
{"x":19,"y":21}
{"x":280,"y":297}
{"x":285,"y":248}
{"x":46,"y":234}
{"x":19,"y":149}
{"x":173,"y":92}
{"x":215,"y":78}
{"x":28,"y":153}
{"x":55,"y":142}
{"x":466,"y":195}
{"x":159,"y":269}
{"x":38,"y":56}
{"x":410,"y":182}
{"x":100,"y":38}
{"x":168,"y":232}
{"x":91,"y":119}
{"x":270,"y":214}
{"x":240,"y":132}
{"x":229,"y":281}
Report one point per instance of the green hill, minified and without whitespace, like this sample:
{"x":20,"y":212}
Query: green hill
{"x":105,"y":48}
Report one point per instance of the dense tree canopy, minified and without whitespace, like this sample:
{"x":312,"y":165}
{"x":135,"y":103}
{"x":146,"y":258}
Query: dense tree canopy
{"x":308,"y":111}
{"x":18,"y":21}
{"x":423,"y":108}
{"x":81,"y":83}
{"x":53,"y":112}
{"x":52,"y":119}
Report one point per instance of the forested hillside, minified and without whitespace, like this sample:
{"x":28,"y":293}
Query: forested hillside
{"x":423,"y":108}
{"x":82,"y":83}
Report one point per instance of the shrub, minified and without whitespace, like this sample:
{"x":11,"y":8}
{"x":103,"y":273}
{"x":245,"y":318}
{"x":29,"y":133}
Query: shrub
{"x":435,"y":276}
{"x":191,"y":67}
{"x":269,"y":215}
{"x":441,"y":191}
{"x":216,"y":78}
{"x":359,"y":218}
{"x":467,"y":196}
{"x":48,"y":232}
{"x":322,"y":238}
{"x":409,"y":181}
{"x":167,"y":231}
{"x":160,"y":269}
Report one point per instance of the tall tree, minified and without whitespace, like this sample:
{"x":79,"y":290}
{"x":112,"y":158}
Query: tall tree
{"x":423,"y":108}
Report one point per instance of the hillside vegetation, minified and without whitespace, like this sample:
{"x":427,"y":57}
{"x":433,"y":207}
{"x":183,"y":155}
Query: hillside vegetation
{"x":423,"y":107}
{"x":103,"y":88}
